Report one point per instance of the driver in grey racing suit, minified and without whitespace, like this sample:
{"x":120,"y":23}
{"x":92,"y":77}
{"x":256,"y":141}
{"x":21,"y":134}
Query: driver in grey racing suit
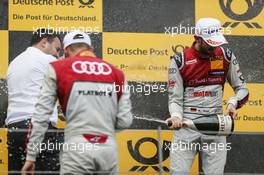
{"x":196,"y":82}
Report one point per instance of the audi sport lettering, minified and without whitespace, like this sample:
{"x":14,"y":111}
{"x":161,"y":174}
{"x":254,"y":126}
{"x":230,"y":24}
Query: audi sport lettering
{"x":205,"y":80}
{"x":89,"y":68}
{"x":215,"y":80}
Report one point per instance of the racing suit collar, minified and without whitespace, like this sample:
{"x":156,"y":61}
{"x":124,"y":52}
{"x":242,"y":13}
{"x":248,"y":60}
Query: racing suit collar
{"x":86,"y":53}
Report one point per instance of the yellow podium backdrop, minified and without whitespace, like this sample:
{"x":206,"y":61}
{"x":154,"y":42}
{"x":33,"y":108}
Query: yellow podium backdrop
{"x":138,"y":152}
{"x":3,"y":53}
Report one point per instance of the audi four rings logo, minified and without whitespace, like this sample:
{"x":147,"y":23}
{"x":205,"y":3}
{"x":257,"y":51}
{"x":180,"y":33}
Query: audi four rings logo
{"x":86,"y":67}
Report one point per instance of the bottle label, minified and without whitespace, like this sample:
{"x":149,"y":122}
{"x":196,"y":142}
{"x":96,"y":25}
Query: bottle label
{"x":225,"y":125}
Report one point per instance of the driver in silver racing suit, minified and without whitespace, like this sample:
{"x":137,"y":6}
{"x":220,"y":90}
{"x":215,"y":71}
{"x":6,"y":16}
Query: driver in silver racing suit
{"x":95,"y":102}
{"x":196,"y":82}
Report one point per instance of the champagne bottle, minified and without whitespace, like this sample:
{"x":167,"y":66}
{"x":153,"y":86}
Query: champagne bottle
{"x":214,"y":124}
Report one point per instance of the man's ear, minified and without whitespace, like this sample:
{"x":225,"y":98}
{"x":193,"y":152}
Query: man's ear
{"x":198,"y":39}
{"x":44,"y":43}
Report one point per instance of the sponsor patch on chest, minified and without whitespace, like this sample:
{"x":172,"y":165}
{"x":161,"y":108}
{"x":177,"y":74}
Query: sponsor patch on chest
{"x":202,"y":94}
{"x":217,"y":62}
{"x":216,"y":72}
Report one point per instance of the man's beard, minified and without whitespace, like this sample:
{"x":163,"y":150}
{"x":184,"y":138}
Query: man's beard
{"x":207,"y":50}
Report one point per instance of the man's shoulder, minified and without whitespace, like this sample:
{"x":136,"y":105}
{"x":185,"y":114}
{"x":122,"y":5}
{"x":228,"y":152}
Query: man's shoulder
{"x":51,"y":58}
{"x":32,"y":54}
{"x":179,"y":59}
{"x":20,"y":56}
{"x":226,"y":51}
{"x":60,"y":62}
{"x":20,"y":61}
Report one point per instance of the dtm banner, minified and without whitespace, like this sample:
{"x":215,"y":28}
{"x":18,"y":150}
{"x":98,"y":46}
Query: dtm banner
{"x":143,"y":57}
{"x":60,"y":15}
{"x":3,"y":53}
{"x":251,"y":116}
{"x":243,"y":17}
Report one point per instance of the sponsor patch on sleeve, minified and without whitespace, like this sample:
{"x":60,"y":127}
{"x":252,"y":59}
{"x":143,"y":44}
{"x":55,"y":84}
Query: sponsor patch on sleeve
{"x":171,"y":83}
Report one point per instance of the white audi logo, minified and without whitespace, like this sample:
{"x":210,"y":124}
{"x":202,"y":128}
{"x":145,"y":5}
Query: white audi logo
{"x":91,"y":68}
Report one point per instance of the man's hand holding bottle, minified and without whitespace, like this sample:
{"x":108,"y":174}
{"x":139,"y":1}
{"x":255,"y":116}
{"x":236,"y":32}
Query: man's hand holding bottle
{"x":174,"y":122}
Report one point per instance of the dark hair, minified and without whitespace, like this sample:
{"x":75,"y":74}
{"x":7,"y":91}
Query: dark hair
{"x":42,"y":33}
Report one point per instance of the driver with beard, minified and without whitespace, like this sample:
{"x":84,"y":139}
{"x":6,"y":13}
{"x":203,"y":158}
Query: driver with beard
{"x":195,"y":88}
